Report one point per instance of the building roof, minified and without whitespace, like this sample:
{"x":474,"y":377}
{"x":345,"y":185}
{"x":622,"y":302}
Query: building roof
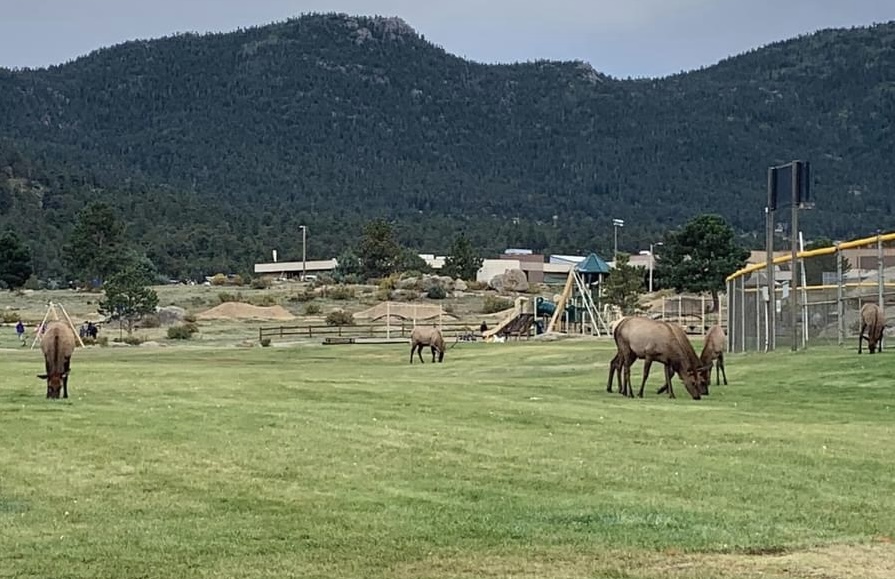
{"x":294,"y":266}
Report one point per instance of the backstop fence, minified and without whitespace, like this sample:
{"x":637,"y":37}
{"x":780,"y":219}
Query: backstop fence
{"x":833,"y":283}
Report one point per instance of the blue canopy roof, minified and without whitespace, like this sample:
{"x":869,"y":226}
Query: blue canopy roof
{"x":592,"y":264}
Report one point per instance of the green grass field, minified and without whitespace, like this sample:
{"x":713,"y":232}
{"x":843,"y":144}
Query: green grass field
{"x":508,"y":460}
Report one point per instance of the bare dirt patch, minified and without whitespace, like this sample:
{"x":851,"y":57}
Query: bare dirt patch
{"x":865,"y":561}
{"x":241,"y":311}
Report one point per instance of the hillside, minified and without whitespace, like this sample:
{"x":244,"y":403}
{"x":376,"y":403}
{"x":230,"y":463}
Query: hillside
{"x":216,"y":147}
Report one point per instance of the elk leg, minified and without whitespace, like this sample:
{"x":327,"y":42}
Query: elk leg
{"x":629,"y":391}
{"x":613,"y":364}
{"x":721,"y":366}
{"x":419,"y":353}
{"x":669,"y":375}
{"x":412,"y":348}
{"x":861,"y":337}
{"x":646,"y":365}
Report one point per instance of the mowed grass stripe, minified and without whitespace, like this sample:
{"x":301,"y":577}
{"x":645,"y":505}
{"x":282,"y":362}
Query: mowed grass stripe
{"x":348,"y":461}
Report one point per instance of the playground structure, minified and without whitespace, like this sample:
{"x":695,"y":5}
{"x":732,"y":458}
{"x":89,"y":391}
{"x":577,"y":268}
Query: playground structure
{"x":854,"y":273}
{"x":575,"y":310}
{"x":52,"y":309}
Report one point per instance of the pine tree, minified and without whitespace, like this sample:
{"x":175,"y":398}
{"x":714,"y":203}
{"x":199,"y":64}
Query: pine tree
{"x":15,"y":261}
{"x":127,"y":298}
{"x":463,"y":262}
{"x":624,"y":286}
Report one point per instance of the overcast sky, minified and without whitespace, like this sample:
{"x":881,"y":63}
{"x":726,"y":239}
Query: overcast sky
{"x":618,"y":37}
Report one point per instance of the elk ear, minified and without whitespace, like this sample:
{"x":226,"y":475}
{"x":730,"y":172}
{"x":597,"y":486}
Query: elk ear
{"x":42,"y":376}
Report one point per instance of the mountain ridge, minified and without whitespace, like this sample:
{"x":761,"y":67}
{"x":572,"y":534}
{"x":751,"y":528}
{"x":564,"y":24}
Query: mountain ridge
{"x":329,"y":120}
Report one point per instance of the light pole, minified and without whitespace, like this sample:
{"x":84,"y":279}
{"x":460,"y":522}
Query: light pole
{"x":616,"y":223}
{"x":304,"y":253}
{"x":651,"y":260}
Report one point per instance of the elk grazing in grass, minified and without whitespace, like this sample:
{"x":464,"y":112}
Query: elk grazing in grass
{"x":713,"y":354}
{"x":57,"y":344}
{"x":873,"y":322}
{"x":421,"y":337}
{"x":655,"y":341}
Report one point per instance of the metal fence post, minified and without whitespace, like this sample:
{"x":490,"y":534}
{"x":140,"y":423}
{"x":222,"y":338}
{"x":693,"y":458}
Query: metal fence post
{"x":742,"y":313}
{"x":840,"y":304}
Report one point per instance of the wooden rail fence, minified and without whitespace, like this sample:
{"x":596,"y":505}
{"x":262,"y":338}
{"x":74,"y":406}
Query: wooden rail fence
{"x":358,"y":331}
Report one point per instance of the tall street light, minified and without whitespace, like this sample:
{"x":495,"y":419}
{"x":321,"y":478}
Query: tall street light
{"x":304,"y":253}
{"x":651,"y":261}
{"x":616,"y":223}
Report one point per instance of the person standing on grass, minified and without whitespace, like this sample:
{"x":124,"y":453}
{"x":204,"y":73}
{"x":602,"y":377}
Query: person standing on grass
{"x":20,"y":331}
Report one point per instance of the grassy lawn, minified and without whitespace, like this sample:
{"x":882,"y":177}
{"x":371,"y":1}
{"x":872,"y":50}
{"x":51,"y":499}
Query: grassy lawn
{"x":508,"y":460}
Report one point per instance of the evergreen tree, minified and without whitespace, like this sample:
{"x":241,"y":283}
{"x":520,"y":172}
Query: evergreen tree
{"x":127,"y":298}
{"x":463,"y":262}
{"x":379,"y":252}
{"x":699,"y":256}
{"x":96,"y":247}
{"x":624,"y":286}
{"x":15,"y":261}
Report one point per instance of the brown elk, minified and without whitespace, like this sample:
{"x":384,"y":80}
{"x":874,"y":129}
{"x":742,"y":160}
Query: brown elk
{"x":873,"y":321}
{"x":655,"y":341}
{"x":423,"y":336}
{"x":57,"y":344}
{"x":713,"y":354}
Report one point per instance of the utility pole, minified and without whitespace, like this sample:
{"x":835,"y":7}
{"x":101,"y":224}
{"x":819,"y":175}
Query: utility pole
{"x":304,"y":252}
{"x":616,"y":223}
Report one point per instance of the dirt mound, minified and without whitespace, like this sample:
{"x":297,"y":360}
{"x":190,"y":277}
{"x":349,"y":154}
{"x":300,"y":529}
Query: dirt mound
{"x":241,"y":311}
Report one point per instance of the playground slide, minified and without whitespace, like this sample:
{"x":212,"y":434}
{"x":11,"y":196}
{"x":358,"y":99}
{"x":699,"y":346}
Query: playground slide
{"x":517,"y":311}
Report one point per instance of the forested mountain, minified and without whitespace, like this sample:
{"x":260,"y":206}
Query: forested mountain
{"x":214,"y":148}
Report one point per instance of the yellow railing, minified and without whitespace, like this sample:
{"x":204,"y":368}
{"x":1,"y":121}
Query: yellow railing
{"x":813,"y":253}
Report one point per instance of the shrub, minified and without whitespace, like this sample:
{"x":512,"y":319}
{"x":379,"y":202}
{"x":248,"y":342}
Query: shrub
{"x":229,"y":297}
{"x":236,"y":280}
{"x":179,"y":333}
{"x":436,"y":292}
{"x":339,"y":318}
{"x":494,"y":304}
{"x":313,"y":310}
{"x":190,"y":317}
{"x":219,"y":279}
{"x":263,"y":282}
{"x":389,"y":283}
{"x":9,"y":317}
{"x":183,"y":332}
{"x":264,"y":300}
{"x":476,"y":285}
{"x":150,"y":321}
{"x":129,"y":340}
{"x":341,"y":292}
{"x":303,"y":296}
{"x":32,"y":283}
{"x":103,"y":341}
{"x":265,"y":342}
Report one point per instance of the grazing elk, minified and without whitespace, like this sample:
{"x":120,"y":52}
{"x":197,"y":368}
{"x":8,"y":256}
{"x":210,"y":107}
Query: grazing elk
{"x":713,"y":354}
{"x":655,"y":341}
{"x":57,"y":344}
{"x":873,"y":321}
{"x":423,"y":336}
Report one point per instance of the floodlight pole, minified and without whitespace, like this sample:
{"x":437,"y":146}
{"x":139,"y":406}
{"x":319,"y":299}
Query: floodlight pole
{"x":651,"y":263}
{"x":616,"y":223}
{"x":770,"y":343}
{"x":304,"y":253}
{"x":794,"y":264}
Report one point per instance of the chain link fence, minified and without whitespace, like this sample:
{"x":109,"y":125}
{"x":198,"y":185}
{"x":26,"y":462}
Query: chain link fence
{"x":833,"y":284}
